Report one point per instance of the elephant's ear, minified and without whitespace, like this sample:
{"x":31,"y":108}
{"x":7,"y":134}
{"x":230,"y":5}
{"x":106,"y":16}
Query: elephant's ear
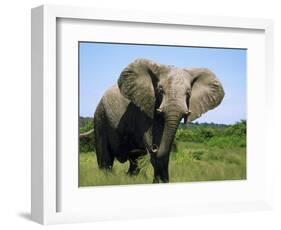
{"x":206,"y":92}
{"x":137,"y":82}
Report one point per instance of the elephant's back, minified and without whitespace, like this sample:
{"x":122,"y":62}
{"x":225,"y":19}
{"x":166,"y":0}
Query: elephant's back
{"x":115,"y":105}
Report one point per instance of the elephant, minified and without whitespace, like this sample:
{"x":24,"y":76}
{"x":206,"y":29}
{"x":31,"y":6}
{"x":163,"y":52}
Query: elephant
{"x":141,"y":113}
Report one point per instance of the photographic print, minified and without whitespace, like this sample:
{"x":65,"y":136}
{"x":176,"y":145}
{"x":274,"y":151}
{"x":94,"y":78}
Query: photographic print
{"x":161,"y":114}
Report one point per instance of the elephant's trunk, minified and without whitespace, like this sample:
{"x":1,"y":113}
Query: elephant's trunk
{"x":172,"y":120}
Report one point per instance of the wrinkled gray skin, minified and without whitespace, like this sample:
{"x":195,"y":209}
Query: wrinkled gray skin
{"x":142,"y":112}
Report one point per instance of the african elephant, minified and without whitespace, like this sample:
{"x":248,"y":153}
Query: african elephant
{"x":142,"y":112}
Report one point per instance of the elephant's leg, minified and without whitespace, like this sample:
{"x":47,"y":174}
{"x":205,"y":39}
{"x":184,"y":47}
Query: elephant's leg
{"x":161,"y":171}
{"x":104,"y":155}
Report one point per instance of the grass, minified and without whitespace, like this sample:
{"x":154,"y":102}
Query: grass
{"x":189,"y":161}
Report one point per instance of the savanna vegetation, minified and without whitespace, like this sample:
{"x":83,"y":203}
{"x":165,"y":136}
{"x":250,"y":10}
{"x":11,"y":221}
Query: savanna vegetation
{"x":201,"y":152}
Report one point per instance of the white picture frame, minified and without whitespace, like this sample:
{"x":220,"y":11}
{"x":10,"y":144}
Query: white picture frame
{"x":46,"y":175}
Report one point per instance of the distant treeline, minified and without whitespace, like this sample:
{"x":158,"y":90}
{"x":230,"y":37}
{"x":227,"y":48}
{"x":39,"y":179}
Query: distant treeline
{"x":86,"y":123}
{"x":204,"y":124}
{"x":211,"y":134}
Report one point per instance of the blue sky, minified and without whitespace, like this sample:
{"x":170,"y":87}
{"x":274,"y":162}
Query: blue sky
{"x":101,"y":64}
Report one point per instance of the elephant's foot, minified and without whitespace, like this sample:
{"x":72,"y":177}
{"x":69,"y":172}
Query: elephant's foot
{"x":161,"y":173}
{"x":157,"y":180}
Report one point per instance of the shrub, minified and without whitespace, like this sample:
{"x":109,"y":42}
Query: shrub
{"x":222,"y":136}
{"x":185,"y":135}
{"x":87,"y":143}
{"x":227,"y":141}
{"x":238,"y":129}
{"x":85,"y":124}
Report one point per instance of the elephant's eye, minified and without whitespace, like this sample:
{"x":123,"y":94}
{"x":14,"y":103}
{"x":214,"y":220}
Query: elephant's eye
{"x":188,"y":93}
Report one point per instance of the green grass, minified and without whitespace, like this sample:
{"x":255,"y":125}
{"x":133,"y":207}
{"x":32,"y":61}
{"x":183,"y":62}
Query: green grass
{"x":189,"y":161}
{"x":201,"y":152}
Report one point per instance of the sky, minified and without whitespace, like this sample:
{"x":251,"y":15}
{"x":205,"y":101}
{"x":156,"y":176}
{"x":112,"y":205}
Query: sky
{"x":102,"y":63}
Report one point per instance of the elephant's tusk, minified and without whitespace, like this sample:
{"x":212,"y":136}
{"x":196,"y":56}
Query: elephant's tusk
{"x":86,"y":133}
{"x":154,"y":149}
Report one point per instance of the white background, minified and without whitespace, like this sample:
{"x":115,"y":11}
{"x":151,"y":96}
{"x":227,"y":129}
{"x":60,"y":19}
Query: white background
{"x":15,"y":114}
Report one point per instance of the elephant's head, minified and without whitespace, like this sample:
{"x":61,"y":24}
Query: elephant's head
{"x":173,"y":92}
